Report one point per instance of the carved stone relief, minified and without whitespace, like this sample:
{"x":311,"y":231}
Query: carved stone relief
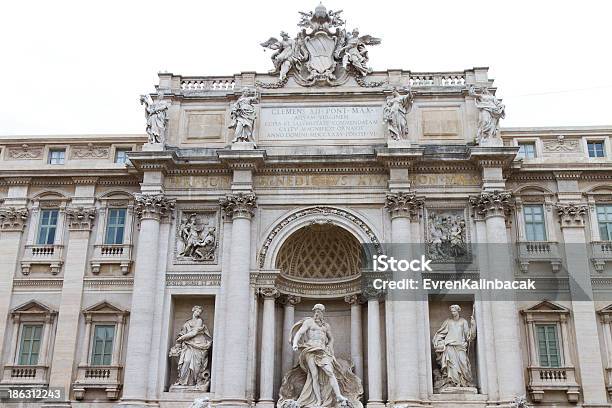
{"x":25,"y":152}
{"x":446,"y":236}
{"x":89,"y":151}
{"x":196,"y":237}
{"x":561,"y":145}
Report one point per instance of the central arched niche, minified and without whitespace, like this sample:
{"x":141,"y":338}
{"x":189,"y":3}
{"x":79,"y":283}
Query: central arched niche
{"x":320,"y":253}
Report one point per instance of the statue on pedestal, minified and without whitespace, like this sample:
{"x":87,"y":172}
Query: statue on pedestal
{"x":394,"y":114}
{"x":243,"y":116}
{"x":451,"y":344}
{"x":156,"y":113}
{"x":490,"y":111}
{"x":319,"y":379}
{"x":192,"y":346}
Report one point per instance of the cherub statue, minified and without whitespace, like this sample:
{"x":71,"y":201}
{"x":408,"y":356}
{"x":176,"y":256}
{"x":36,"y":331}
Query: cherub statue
{"x":288,"y":54}
{"x":156,"y":115}
{"x":355,"y":52}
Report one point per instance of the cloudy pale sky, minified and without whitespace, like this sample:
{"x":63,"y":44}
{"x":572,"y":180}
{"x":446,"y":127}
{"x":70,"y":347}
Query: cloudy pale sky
{"x":79,"y":66}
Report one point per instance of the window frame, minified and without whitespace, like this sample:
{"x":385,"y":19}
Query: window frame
{"x":115,"y":226}
{"x":119,"y":150}
{"x":608,"y":236}
{"x":20,"y":354}
{"x":92,"y":354}
{"x":527,"y":143}
{"x":47,"y":227}
{"x":527,"y":224}
{"x":558,"y":344}
{"x":50,"y":157}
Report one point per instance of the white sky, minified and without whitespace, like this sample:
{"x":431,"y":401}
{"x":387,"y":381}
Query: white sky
{"x":79,"y":66}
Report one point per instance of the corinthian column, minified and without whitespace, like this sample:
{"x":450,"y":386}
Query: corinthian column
{"x":402,"y":207}
{"x":356,"y":334}
{"x":572,"y":219}
{"x":80,"y":222}
{"x":494,"y":206}
{"x":268,"y":344}
{"x":374,"y":352}
{"x":240,"y":207}
{"x":150,"y":209}
{"x":288,"y":321}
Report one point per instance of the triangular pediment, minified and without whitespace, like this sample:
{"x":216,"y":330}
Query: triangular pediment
{"x":547,"y":306}
{"x":606,"y":310}
{"x":104,"y":307}
{"x":33,"y":306}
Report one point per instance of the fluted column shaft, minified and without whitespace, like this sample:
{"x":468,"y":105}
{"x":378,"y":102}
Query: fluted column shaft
{"x":374,"y":355}
{"x":240,"y":207}
{"x":150,"y":209}
{"x":268,"y":343}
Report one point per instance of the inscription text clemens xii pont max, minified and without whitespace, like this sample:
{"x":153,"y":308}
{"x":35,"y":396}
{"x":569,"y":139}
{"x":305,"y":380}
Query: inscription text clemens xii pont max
{"x":320,"y":122}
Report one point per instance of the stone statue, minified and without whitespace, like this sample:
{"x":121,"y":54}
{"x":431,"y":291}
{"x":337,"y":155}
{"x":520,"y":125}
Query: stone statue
{"x":203,"y":402}
{"x":192,"y":348}
{"x":243,"y":116}
{"x":319,"y":379}
{"x":491,"y":110}
{"x":157,"y":117}
{"x":451,"y":344}
{"x":321,"y":53}
{"x":356,"y":53}
{"x":289,"y":54}
{"x":196,"y":245}
{"x":394,"y":114}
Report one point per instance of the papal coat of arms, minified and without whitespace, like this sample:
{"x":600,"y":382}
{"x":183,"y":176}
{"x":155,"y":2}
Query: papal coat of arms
{"x":322,"y":52}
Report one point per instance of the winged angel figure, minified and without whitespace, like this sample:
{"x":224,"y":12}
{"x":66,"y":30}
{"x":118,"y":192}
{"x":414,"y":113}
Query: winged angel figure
{"x":354,"y":52}
{"x":288,"y":53}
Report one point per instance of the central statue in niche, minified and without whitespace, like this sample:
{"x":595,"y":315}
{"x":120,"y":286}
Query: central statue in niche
{"x":319,"y":379}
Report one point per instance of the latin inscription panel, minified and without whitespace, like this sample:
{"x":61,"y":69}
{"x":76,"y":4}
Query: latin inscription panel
{"x":320,"y":122}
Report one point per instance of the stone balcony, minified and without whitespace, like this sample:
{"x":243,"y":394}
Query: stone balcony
{"x":107,"y":378}
{"x":51,"y":255}
{"x":538,"y":251}
{"x":25,"y":374}
{"x":112,"y":254}
{"x":562,"y":379}
{"x":601,"y":252}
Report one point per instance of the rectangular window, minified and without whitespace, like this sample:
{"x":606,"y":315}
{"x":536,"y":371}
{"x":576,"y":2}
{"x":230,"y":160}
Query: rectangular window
{"x":535,"y":228}
{"x":47,"y":225}
{"x":121,"y":155}
{"x":30,"y":344}
{"x":115,"y":226}
{"x":527,"y":150}
{"x":604,"y":219}
{"x":102,"y":350}
{"x":596,"y":149}
{"x":57,"y":156}
{"x":548,"y":345}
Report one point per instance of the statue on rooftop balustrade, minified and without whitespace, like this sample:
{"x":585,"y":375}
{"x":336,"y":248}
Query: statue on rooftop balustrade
{"x":490,"y":111}
{"x":394,"y":114}
{"x":156,"y":114}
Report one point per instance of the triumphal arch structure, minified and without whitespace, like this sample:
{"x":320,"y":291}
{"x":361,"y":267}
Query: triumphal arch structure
{"x":221,"y":256}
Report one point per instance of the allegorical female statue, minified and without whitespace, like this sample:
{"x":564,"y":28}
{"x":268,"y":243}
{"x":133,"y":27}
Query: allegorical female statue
{"x":319,"y":379}
{"x":156,"y":115}
{"x":243,"y":116}
{"x":490,"y":111}
{"x":192,"y":348}
{"x":451,"y":344}
{"x":394,"y":114}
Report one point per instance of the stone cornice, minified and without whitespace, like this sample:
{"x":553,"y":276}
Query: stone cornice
{"x":239,"y":205}
{"x":153,"y":206}
{"x":493,"y":156}
{"x":403,"y":204}
{"x":242,"y":159}
{"x":399,"y":157}
{"x":494,"y":203}
{"x":567,"y":175}
{"x":80,"y":218}
{"x":571,"y":214}
{"x":85,"y":180}
{"x":13,"y":218}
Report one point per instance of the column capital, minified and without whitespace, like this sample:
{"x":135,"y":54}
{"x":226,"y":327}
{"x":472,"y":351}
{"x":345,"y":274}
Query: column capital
{"x":403,"y":204}
{"x":571,"y":214}
{"x":353,"y":299}
{"x":268,"y":293}
{"x":370,"y":293}
{"x":493,"y":203}
{"x":239,"y":205}
{"x":13,"y":218}
{"x":80,"y":218}
{"x":153,"y":206}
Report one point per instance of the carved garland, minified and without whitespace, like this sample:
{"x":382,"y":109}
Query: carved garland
{"x":317,"y":210}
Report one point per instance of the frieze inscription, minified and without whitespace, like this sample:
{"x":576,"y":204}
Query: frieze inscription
{"x":204,"y":182}
{"x":320,"y":122}
{"x":458,"y":179}
{"x":321,"y":180}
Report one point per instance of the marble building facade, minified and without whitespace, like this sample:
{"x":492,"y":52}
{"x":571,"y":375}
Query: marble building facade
{"x":251,"y":196}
